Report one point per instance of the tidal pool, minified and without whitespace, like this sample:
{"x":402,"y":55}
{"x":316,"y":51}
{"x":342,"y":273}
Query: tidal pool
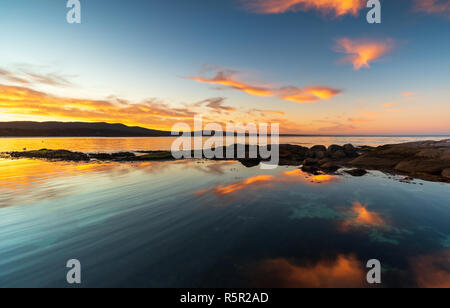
{"x":217,"y":224}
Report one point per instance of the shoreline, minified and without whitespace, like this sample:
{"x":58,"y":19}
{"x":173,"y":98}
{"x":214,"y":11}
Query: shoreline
{"x":426,"y":160}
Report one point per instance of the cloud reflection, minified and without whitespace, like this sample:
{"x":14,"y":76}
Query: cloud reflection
{"x":266,"y":181}
{"x":343,"y":272}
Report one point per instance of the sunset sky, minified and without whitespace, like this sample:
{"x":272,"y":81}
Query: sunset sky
{"x":314,"y":66}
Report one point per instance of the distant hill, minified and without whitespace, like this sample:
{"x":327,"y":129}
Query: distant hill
{"x":75,"y":129}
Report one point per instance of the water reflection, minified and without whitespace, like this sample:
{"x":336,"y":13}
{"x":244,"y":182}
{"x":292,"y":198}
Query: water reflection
{"x":432,"y":271}
{"x":127,"y":222}
{"x":362,"y":217}
{"x":267,"y":181}
{"x":346,"y":271}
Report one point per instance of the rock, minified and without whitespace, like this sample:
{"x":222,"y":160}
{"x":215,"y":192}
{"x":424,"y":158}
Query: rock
{"x":310,"y":162}
{"x":429,"y":166}
{"x":52,"y":154}
{"x":317,"y":151}
{"x":250,"y":162}
{"x":339,"y":154}
{"x":320,"y":154}
{"x":356,"y":172}
{"x":334,"y":148}
{"x":329,"y":167}
{"x":323,"y":161}
{"x":319,"y":148}
{"x":425,"y":159}
{"x":311,"y":169}
{"x":350,"y":150}
{"x":114,"y":156}
{"x":446,"y":173}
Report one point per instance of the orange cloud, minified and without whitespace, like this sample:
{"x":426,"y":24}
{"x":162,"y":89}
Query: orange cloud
{"x":359,"y":120}
{"x":151,"y":113}
{"x":441,"y":7}
{"x":387,"y":105}
{"x":343,"y":272}
{"x":363,"y":51}
{"x":311,"y":94}
{"x":332,"y":7}
{"x":408,"y":94}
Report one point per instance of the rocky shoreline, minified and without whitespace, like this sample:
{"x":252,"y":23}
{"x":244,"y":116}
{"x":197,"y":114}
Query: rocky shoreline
{"x":427,"y":160}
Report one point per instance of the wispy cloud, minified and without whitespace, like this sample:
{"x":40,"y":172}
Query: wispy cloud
{"x":9,"y":76}
{"x":388,"y":105}
{"x":440,"y":7}
{"x":216,"y":104}
{"x":29,"y":78}
{"x":409,"y":94}
{"x":363,"y":51}
{"x":310,"y":94}
{"x":330,"y":7}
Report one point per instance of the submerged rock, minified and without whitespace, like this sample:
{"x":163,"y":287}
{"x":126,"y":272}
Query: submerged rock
{"x":52,"y":154}
{"x":356,"y":172}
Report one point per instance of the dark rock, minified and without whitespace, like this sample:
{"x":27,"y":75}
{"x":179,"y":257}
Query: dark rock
{"x":250,"y":162}
{"x":52,"y":154}
{"x":334,"y":148}
{"x":356,"y":172}
{"x":339,"y":154}
{"x":329,"y":167}
{"x":114,"y":156}
{"x":323,"y":161}
{"x":446,"y":173}
{"x":311,"y":169}
{"x":350,"y":150}
{"x":319,"y":148}
{"x":426,"y":159}
{"x":320,"y":154}
{"x":310,"y":162}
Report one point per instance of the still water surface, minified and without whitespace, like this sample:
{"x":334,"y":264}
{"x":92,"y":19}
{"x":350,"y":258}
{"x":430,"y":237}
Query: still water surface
{"x":217,"y":224}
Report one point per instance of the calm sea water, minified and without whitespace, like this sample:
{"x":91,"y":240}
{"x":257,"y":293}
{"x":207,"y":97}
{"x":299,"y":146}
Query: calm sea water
{"x":215,"y":224}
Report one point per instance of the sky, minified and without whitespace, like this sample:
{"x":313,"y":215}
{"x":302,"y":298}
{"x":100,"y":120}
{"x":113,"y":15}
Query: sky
{"x":313,"y":66}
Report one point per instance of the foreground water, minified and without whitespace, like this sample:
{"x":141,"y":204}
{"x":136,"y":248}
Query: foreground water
{"x":217,"y":224}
